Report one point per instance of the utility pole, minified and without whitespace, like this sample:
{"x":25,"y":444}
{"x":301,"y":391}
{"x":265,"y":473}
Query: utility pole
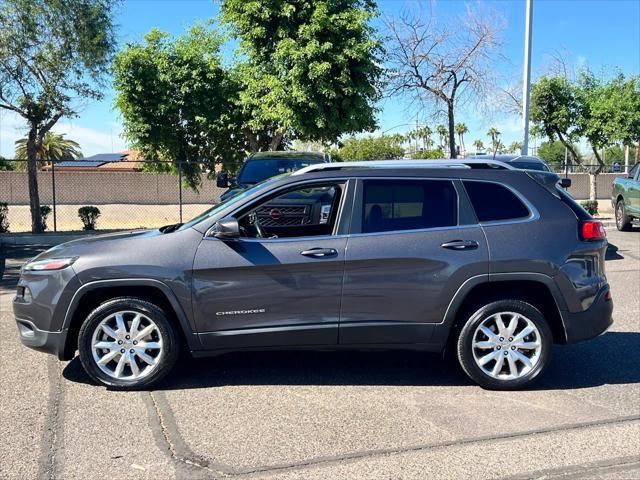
{"x":526,"y":77}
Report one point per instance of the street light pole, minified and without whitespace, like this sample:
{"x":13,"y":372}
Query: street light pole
{"x":526,"y":78}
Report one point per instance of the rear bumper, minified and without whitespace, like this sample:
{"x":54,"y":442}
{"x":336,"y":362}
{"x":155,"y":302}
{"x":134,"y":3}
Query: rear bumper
{"x":592,"y":322}
{"x":42,"y":340}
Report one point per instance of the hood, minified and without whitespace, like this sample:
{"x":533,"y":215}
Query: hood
{"x":83,"y":245}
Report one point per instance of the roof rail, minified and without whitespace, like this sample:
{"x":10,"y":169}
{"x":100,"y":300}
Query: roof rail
{"x":452,"y":163}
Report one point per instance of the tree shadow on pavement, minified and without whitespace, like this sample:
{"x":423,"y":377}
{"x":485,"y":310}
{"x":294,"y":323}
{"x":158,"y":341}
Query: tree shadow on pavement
{"x":608,"y":359}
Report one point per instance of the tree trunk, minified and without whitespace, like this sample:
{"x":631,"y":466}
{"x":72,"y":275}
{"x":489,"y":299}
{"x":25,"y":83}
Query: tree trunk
{"x":32,"y":168}
{"x":452,"y":133}
{"x":638,"y":152}
{"x":276,"y":140}
{"x":252,"y":139}
{"x":569,"y":147}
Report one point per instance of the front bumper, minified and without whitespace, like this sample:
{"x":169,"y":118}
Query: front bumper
{"x":592,"y":322}
{"x":42,"y":340}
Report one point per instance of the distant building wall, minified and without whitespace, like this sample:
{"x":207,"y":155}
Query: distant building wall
{"x":97,"y":188}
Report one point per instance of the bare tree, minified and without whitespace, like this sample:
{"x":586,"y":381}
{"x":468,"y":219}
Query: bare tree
{"x":442,"y":65}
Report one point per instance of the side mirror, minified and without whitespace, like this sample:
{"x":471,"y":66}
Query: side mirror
{"x":226,"y":229}
{"x":565,"y":182}
{"x":222,"y":181}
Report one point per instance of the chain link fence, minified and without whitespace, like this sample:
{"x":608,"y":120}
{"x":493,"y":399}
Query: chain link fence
{"x":127,"y":194}
{"x":137,"y":194}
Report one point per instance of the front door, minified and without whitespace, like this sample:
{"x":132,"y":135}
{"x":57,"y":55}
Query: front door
{"x":279,"y":284}
{"x":413,"y":252}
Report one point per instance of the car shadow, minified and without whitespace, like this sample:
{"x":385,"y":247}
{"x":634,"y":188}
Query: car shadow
{"x":608,"y":359}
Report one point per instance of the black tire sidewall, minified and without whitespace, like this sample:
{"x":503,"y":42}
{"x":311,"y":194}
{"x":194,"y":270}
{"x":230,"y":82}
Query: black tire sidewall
{"x":167,"y":331}
{"x":465,"y":340}
{"x":623,"y":224}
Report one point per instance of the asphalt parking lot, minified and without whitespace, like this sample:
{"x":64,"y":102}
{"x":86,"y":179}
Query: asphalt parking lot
{"x":330,"y":415}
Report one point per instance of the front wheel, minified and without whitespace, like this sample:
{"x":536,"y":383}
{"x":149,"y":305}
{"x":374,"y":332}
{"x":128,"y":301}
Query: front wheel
{"x":623,"y":221}
{"x":127,"y":343}
{"x":505,"y":345}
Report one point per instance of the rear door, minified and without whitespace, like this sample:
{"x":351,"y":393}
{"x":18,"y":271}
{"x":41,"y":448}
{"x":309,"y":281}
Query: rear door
{"x":410,"y":250}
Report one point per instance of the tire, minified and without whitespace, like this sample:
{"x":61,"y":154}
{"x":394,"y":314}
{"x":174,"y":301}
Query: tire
{"x":623,"y":221}
{"x":474,"y":346}
{"x":152,"y":363}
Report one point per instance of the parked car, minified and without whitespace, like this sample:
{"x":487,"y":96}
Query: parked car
{"x":525,"y":162}
{"x":491,"y":263}
{"x":625,"y":198}
{"x":260,"y":166}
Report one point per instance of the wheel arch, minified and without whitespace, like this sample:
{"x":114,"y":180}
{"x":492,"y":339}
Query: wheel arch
{"x":92,"y":294}
{"x":537,"y":289}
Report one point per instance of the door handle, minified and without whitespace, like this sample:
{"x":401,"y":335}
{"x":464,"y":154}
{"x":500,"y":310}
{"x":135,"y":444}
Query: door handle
{"x":460,"y":245}
{"x":319,"y":252}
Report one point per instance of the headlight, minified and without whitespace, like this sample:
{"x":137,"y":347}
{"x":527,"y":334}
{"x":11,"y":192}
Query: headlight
{"x":50,"y":264}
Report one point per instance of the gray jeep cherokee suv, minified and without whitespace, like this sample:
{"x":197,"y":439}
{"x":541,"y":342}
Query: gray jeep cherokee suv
{"x":493,"y":264}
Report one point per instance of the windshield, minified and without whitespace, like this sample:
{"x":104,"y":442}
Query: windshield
{"x":229,"y":201}
{"x":539,"y":166}
{"x":255,"y":171}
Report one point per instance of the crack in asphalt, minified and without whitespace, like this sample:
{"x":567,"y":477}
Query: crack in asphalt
{"x":181,"y":452}
{"x":583,"y":470}
{"x":51,"y":435}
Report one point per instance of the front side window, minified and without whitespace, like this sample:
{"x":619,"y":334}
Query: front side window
{"x":302,"y":212}
{"x":390,"y":205}
{"x":492,"y":201}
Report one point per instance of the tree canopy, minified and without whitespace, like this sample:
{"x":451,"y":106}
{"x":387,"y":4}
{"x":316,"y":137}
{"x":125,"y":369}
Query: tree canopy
{"x":384,"y":147}
{"x":309,"y":70}
{"x":53,"y":55}
{"x":177,"y":100}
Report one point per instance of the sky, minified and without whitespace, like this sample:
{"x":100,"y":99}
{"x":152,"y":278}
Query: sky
{"x":601,"y":34}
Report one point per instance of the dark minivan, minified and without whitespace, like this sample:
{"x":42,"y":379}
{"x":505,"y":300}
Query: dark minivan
{"x":489,"y":262}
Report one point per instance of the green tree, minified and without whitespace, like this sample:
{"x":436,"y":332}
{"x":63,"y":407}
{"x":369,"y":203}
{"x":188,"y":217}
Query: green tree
{"x":5,"y":165}
{"x":555,"y":110}
{"x":53,"y":53}
{"x":54,"y":147}
{"x":461,"y":129}
{"x":515,"y":147}
{"x":443,"y":133}
{"x":309,"y":70}
{"x":178,"y":102}
{"x":384,"y":147}
{"x":494,"y":135}
{"x":552,"y":152}
{"x":479,"y":144}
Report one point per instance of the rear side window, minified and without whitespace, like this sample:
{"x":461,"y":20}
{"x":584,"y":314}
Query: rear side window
{"x":492,"y":202}
{"x":408,"y":205}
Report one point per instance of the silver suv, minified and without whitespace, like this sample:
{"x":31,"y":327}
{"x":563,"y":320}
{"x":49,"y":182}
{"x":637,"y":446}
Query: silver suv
{"x":472,"y":257}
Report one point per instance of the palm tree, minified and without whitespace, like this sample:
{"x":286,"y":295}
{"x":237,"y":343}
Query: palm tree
{"x":515,"y":147}
{"x":53,"y":149}
{"x":479,"y":144}
{"x":495,"y":138}
{"x":443,"y":133}
{"x":461,"y":129}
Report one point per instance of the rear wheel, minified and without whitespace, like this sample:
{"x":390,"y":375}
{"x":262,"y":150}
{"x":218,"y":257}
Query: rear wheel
{"x":127,"y":343}
{"x":623,"y":221}
{"x":505,"y":345}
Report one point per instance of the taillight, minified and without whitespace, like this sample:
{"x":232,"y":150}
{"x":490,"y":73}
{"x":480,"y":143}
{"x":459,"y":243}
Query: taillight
{"x":592,"y":230}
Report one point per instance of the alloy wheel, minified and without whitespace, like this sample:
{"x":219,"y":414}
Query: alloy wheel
{"x":507,"y":346}
{"x":127,"y":345}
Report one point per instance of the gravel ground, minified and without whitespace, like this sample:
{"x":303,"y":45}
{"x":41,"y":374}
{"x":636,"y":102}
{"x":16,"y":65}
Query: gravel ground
{"x":330,"y":415}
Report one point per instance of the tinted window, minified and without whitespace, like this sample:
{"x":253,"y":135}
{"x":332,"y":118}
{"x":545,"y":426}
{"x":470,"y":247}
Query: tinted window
{"x":492,"y":201}
{"x":408,"y":205}
{"x":255,"y":171}
{"x":541,"y":167}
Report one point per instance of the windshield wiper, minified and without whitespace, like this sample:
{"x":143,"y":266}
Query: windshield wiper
{"x":170,"y":228}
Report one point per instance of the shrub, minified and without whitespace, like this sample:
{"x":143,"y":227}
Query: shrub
{"x":590,"y":206}
{"x":89,"y":215}
{"x":4,"y":214}
{"x":385,"y":147}
{"x":428,"y":155}
{"x":45,"y":210}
